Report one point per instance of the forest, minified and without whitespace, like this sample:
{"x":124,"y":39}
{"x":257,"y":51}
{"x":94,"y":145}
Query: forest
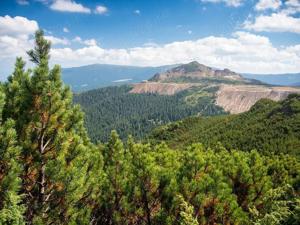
{"x":269,"y":127}
{"x":114,"y":108}
{"x":51,"y":172}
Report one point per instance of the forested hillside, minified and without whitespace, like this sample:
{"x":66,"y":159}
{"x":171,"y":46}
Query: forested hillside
{"x":269,"y":127}
{"x":114,"y":108}
{"x":50,"y":172}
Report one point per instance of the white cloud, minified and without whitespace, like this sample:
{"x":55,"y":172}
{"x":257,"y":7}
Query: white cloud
{"x":16,"y":35}
{"x":16,"y":26}
{"x":291,"y":7}
{"x":234,"y":3}
{"x":66,"y":30}
{"x":57,"y":41}
{"x":276,"y":22}
{"x":137,"y":11}
{"x":22,"y":2}
{"x":268,"y":4}
{"x":69,"y":6}
{"x":88,"y":42}
{"x":190,"y":32}
{"x":100,"y":9}
{"x":243,"y":52}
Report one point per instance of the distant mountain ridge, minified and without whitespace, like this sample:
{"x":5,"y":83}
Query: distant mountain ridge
{"x":94,"y":76}
{"x":288,"y":79}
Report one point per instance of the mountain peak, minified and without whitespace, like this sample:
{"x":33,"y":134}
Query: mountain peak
{"x":195,"y":70}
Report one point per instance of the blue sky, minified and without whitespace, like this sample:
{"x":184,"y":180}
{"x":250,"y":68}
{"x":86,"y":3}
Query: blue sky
{"x":220,"y":33}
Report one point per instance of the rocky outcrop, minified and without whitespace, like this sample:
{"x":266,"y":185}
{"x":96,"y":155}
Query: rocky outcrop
{"x":160,"y":88}
{"x":196,"y":70}
{"x":240,"y":98}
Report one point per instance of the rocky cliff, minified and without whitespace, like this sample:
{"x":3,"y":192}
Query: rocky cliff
{"x":160,"y":88}
{"x":240,"y":98}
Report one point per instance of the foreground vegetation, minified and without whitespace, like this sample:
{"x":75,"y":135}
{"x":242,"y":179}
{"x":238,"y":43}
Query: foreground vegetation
{"x":50,"y":173}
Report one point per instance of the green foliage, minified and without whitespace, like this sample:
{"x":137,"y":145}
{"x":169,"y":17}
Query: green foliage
{"x":158,"y":185}
{"x":11,"y":209}
{"x":269,"y":127}
{"x":186,"y":213}
{"x":276,"y":209}
{"x":59,"y":172}
{"x":113,"y":108}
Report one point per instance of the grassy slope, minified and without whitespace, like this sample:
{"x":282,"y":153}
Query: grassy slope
{"x":268,"y":127}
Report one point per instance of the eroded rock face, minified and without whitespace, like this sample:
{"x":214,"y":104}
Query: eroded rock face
{"x":240,"y":98}
{"x":160,"y":88}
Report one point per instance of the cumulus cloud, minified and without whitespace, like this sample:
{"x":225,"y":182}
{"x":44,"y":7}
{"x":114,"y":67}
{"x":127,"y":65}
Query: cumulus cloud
{"x":100,"y":9}
{"x":16,"y":26}
{"x":56,"y":40}
{"x":233,"y":3}
{"x":276,"y":22}
{"x":89,"y":42}
{"x":243,"y":52}
{"x":69,"y":6}
{"x":291,"y":7}
{"x":15,"y":40}
{"x":268,"y":4}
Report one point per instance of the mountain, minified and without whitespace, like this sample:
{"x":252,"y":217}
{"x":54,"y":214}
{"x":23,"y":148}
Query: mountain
{"x":234,"y":93}
{"x":268,"y":126}
{"x":194,"y":72}
{"x":173,"y":94}
{"x":101,"y":75}
{"x":189,"y":75}
{"x":296,"y":84}
{"x":183,"y":91}
{"x":289,"y":79}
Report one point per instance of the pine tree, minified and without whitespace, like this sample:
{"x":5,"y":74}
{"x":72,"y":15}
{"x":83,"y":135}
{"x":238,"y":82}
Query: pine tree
{"x":112,"y":206}
{"x":11,"y":209}
{"x":17,"y":93}
{"x":186,"y":213}
{"x":59,"y":161}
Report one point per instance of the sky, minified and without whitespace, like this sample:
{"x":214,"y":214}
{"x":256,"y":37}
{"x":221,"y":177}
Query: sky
{"x":246,"y":36}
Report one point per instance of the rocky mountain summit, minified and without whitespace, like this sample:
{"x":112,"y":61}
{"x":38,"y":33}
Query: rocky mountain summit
{"x":194,"y":71}
{"x":235,"y":94}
